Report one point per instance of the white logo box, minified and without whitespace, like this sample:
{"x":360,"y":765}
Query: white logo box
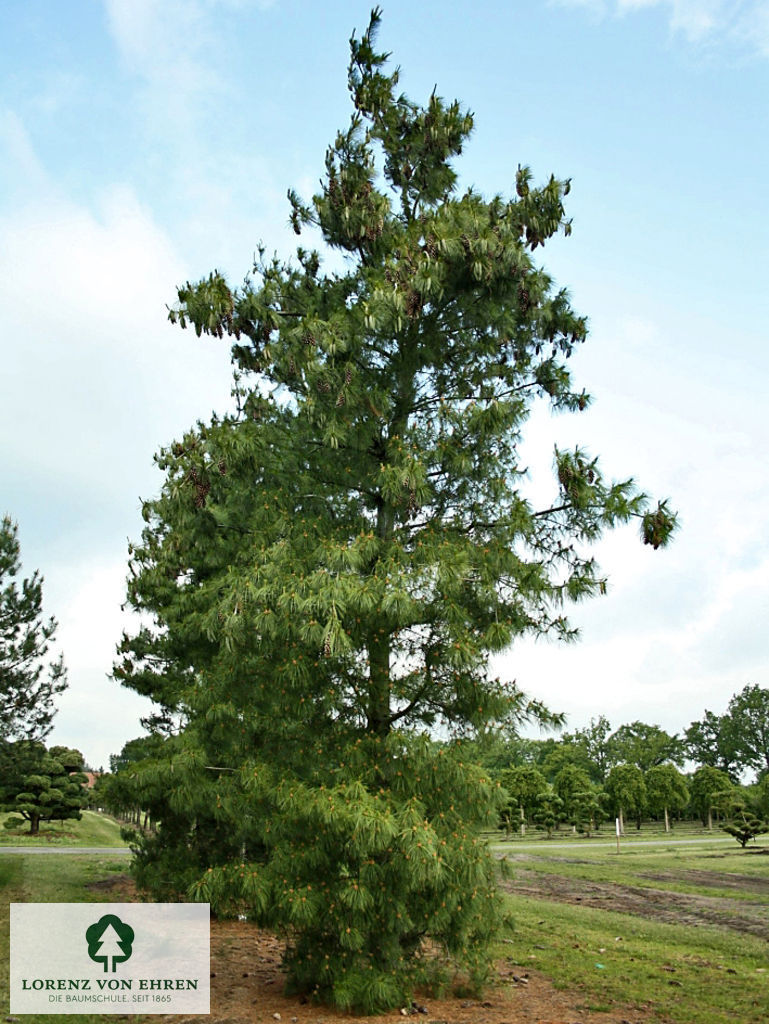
{"x":144,"y":958}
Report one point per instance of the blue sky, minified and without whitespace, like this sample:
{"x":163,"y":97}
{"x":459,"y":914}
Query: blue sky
{"x":145,"y":142}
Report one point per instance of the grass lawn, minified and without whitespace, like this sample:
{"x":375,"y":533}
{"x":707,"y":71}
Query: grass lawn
{"x":50,"y":879}
{"x":692,"y":972}
{"x":92,"y":830}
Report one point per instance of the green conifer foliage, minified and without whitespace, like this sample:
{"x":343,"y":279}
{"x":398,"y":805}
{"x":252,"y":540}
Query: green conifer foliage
{"x":331,"y":568}
{"x":48,"y":785}
{"x":745,"y":826}
{"x":29,"y":683}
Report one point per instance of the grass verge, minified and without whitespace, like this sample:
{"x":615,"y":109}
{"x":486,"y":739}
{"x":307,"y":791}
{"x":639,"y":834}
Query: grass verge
{"x":50,"y":879}
{"x":672,"y":972}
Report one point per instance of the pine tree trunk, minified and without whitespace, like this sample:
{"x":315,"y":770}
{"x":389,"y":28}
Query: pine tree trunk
{"x":379,"y":685}
{"x":710,"y":819}
{"x":667,"y":821}
{"x":379,"y":648}
{"x":34,"y":824}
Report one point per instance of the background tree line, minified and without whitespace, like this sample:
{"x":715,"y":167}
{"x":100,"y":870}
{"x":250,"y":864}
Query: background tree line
{"x":635,"y":771}
{"x":579,"y":779}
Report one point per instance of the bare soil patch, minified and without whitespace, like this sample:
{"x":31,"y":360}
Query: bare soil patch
{"x":747,"y":916}
{"x":247,"y":988}
{"x":121,"y":887}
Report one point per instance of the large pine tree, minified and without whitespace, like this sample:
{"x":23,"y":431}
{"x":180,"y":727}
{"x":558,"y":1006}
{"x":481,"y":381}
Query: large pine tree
{"x":29,"y":681}
{"x":331,"y":568}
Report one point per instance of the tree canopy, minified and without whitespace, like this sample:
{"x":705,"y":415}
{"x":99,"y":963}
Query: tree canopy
{"x":331,"y":568}
{"x":736,"y":740}
{"x":710,"y":741}
{"x":43,"y":785}
{"x":748,"y":713}
{"x":644,"y":746}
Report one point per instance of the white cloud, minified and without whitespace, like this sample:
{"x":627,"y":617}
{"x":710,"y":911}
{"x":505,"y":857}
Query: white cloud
{"x":94,"y":381}
{"x":745,"y":22}
{"x":154,"y":35}
{"x":96,"y":715}
{"x":185,"y":94}
{"x":163,"y":42}
{"x":58,"y":91}
{"x":19,"y":153}
{"x":683,"y":629}
{"x":95,"y":378}
{"x":695,"y":18}
{"x":753,"y":28}
{"x":173,"y":46}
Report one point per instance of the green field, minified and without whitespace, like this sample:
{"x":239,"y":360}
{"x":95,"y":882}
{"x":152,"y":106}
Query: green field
{"x":678,"y":933}
{"x":92,"y":830}
{"x":52,"y":878}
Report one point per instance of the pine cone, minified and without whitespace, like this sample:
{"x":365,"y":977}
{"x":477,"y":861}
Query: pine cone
{"x":201,"y":493}
{"x":413,"y":304}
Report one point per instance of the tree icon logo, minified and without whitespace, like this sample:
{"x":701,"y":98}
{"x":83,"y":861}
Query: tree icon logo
{"x":109,"y":939}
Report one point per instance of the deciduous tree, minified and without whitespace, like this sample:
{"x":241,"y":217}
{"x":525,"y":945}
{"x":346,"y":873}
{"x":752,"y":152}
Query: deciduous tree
{"x":594,"y":739}
{"x":748,"y":712}
{"x":525,"y":785}
{"x":710,"y":788}
{"x":627,"y":790}
{"x":711,"y":741}
{"x":666,"y":790}
{"x":578,"y":796}
{"x":644,"y":746}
